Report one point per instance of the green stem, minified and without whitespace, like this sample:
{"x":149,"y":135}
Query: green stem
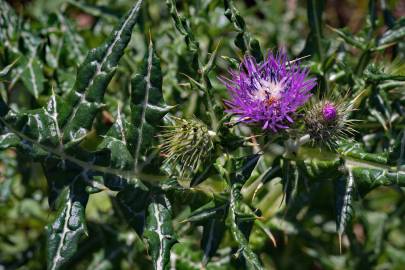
{"x":244,"y":249}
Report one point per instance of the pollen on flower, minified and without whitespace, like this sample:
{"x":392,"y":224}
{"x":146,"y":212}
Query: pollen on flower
{"x":268,"y":93}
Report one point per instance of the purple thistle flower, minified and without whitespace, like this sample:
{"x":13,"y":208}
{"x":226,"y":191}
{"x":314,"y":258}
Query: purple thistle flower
{"x":268,"y":93}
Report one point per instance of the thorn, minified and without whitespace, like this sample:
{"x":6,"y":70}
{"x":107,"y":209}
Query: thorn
{"x":267,"y":231}
{"x":256,"y":190}
{"x":298,"y":59}
{"x":231,"y":124}
{"x":213,"y":56}
{"x":199,"y":85}
{"x":273,"y":240}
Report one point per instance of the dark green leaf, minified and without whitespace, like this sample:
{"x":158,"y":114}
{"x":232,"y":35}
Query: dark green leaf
{"x":69,"y":227}
{"x":289,"y":179}
{"x":355,"y":150}
{"x":216,"y":208}
{"x":370,"y":178}
{"x":85,"y":99}
{"x":159,"y":232}
{"x":213,"y":232}
{"x":32,"y":75}
{"x":243,"y":168}
{"x":344,"y":197}
{"x":133,"y":201}
{"x":245,"y":250}
{"x":243,"y":39}
{"x":147,"y":105}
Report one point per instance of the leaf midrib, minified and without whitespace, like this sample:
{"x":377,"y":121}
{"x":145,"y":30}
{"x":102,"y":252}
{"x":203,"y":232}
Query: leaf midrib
{"x":144,"y":106}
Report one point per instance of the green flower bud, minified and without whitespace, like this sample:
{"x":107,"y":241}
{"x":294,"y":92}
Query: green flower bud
{"x":186,"y":144}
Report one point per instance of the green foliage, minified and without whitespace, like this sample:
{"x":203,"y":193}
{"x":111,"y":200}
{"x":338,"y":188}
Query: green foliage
{"x":95,"y":142}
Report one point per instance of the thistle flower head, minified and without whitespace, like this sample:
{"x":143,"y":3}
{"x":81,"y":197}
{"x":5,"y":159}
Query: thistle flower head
{"x":268,"y":93}
{"x":186,"y":143}
{"x":327,"y":120}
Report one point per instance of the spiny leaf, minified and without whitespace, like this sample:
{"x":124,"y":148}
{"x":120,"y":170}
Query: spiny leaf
{"x":245,"y":220}
{"x":344,"y":190}
{"x":316,"y":168}
{"x":147,"y":105}
{"x":32,"y":75}
{"x":133,"y":201}
{"x":203,"y":174}
{"x":216,"y":208}
{"x":159,"y":232}
{"x":289,"y":179}
{"x":243,"y":167}
{"x":244,"y":41}
{"x":84,"y":100}
{"x":272,"y":172}
{"x":50,"y":135}
{"x":116,"y":141}
{"x":355,"y":150}
{"x":69,"y":227}
{"x":348,"y":37}
{"x":59,"y":175}
{"x":244,"y":249}
{"x":183,"y":26}
{"x":67,"y":120}
{"x":371,"y":178}
{"x":213,"y":232}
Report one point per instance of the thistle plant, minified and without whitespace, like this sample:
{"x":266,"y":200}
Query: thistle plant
{"x":201,"y":135}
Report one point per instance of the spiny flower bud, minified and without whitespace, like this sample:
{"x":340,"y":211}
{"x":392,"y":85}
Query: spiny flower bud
{"x":186,"y":143}
{"x":327,"y":121}
{"x":329,"y":112}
